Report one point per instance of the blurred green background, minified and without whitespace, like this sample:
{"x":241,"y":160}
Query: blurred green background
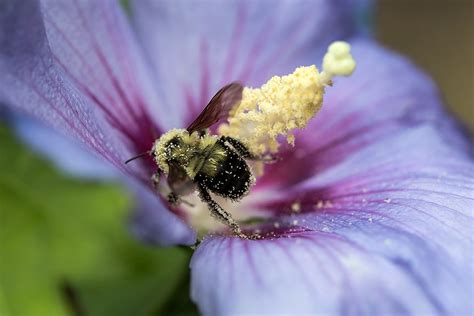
{"x":65,"y":249}
{"x":64,"y":245}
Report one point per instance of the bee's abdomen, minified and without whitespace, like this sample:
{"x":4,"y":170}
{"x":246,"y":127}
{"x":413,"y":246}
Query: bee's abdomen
{"x":232,"y":177}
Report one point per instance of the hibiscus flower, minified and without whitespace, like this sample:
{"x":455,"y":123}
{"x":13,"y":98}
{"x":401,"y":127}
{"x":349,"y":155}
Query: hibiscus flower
{"x":371,"y":212}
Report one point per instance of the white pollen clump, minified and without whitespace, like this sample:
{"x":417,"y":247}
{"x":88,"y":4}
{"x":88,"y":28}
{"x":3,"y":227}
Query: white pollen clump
{"x":285,"y":103}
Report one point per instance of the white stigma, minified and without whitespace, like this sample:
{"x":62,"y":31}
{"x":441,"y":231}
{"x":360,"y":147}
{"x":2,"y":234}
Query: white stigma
{"x":338,"y":61}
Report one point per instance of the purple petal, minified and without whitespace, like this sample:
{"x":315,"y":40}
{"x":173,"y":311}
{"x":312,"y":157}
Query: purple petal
{"x":154,"y":224}
{"x":384,"y":223}
{"x":68,"y":155}
{"x":388,"y":272}
{"x":404,"y":248}
{"x":75,"y":65}
{"x":386,"y":95}
{"x":392,"y":237}
{"x":198,"y":47}
{"x":411,"y":168}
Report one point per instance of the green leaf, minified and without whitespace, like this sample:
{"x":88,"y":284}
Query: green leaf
{"x":180,"y":303}
{"x":65,"y":249}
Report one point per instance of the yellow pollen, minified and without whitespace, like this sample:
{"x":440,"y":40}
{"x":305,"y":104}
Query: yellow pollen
{"x":285,"y":103}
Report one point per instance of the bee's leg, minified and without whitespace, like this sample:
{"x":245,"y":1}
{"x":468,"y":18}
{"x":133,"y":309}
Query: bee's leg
{"x":175,"y":199}
{"x":155,"y":180}
{"x":243,"y":151}
{"x":218,"y":212}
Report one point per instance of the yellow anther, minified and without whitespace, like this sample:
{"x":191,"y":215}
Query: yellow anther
{"x":285,"y":103}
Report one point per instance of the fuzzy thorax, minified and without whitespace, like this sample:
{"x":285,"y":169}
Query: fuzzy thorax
{"x":285,"y":103}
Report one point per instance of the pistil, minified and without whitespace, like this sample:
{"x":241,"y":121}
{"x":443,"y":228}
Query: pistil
{"x":285,"y":103}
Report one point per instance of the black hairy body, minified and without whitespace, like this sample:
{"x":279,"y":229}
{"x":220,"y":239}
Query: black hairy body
{"x":232,"y":177}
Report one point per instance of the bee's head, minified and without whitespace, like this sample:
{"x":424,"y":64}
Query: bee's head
{"x":170,"y":146}
{"x":174,"y":142}
{"x":173,"y":147}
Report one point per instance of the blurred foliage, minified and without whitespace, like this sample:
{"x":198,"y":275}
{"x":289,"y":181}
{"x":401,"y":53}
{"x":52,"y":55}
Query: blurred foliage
{"x":65,"y":249}
{"x":125,"y":5}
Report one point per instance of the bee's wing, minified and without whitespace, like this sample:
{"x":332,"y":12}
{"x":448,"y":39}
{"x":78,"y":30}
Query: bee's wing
{"x":218,"y":108}
{"x":178,"y":180}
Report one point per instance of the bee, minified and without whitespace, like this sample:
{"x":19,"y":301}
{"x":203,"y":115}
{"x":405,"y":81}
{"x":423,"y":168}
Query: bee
{"x":192,"y":159}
